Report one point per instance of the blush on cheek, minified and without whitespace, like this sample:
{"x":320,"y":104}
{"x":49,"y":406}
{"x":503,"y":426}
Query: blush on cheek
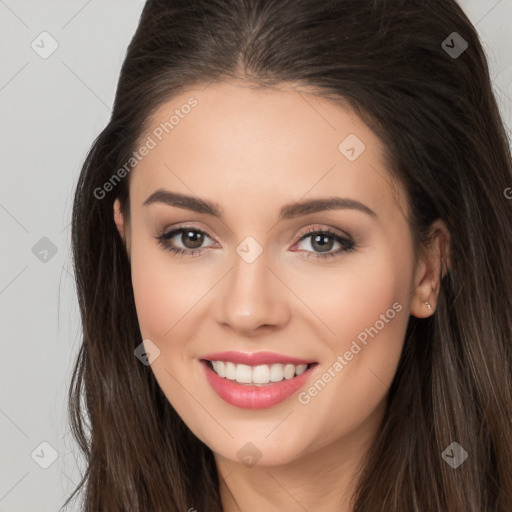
{"x":366,"y":296}
{"x":165,"y":291}
{"x":373,"y":323}
{"x":380,"y":321}
{"x":157,"y":299}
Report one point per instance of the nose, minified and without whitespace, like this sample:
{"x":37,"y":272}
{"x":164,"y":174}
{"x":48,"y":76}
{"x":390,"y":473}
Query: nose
{"x":252,"y":298}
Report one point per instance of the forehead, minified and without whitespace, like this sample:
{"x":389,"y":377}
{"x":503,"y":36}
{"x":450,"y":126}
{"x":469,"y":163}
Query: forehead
{"x":271,"y":144}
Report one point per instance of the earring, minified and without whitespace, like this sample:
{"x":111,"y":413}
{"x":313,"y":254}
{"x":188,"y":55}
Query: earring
{"x":428,"y":305}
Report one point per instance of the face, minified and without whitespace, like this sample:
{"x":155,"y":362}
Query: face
{"x":325,"y":288}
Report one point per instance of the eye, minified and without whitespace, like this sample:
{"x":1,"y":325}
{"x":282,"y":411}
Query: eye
{"x":323,"y":241}
{"x":191,"y":238}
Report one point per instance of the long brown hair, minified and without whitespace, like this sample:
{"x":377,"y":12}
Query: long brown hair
{"x":446,"y":143}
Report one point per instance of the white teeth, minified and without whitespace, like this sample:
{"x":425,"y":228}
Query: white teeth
{"x":230,"y":371}
{"x":289,"y":371}
{"x":261,"y":374}
{"x":276,"y":372}
{"x":243,"y":373}
{"x":301,"y":368}
{"x":220,"y":368}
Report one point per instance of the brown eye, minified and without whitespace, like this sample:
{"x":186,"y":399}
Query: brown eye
{"x":322,"y":242}
{"x":191,"y":240}
{"x":192,"y":237}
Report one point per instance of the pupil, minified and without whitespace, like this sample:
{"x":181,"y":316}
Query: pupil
{"x":322,"y":240}
{"x":192,"y":237}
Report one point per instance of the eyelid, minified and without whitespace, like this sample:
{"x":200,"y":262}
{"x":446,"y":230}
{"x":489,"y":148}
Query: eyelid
{"x":323,"y":229}
{"x":170,"y":231}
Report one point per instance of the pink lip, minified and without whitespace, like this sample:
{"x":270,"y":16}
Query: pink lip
{"x":248,"y":396}
{"x":254,"y":359}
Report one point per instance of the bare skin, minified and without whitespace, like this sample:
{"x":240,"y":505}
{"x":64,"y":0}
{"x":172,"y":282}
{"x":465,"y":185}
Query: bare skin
{"x":252,"y":152}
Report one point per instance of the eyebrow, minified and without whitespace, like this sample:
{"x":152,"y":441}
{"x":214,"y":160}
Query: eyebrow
{"x":288,"y":211}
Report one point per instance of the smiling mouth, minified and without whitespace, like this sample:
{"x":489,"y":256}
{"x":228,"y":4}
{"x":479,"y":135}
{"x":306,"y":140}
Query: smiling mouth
{"x":259,"y":375}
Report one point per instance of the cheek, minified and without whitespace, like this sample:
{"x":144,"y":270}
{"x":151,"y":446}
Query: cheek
{"x":375,"y":316}
{"x":370,"y":324}
{"x":358,"y":296}
{"x":161,"y":295}
{"x":371,"y":292}
{"x":165,"y":298}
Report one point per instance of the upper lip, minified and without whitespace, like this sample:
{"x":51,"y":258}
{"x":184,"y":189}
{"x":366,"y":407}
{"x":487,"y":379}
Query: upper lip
{"x":255,"y":358}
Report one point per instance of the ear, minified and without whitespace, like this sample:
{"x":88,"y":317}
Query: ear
{"x":432,"y":267}
{"x":119,"y":220}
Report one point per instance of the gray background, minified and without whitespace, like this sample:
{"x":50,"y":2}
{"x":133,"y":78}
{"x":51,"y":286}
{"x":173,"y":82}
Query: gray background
{"x":51,"y":110}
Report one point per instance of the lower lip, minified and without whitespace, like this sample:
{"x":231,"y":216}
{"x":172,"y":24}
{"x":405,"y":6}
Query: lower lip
{"x":255,"y":397}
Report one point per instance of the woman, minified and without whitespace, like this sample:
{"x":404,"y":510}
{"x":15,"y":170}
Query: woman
{"x":292,"y":252}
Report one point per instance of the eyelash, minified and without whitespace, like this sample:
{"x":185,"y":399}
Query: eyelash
{"x":347,"y":243}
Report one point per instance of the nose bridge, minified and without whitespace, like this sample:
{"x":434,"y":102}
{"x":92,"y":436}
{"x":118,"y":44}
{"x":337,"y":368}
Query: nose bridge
{"x":251,"y":295}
